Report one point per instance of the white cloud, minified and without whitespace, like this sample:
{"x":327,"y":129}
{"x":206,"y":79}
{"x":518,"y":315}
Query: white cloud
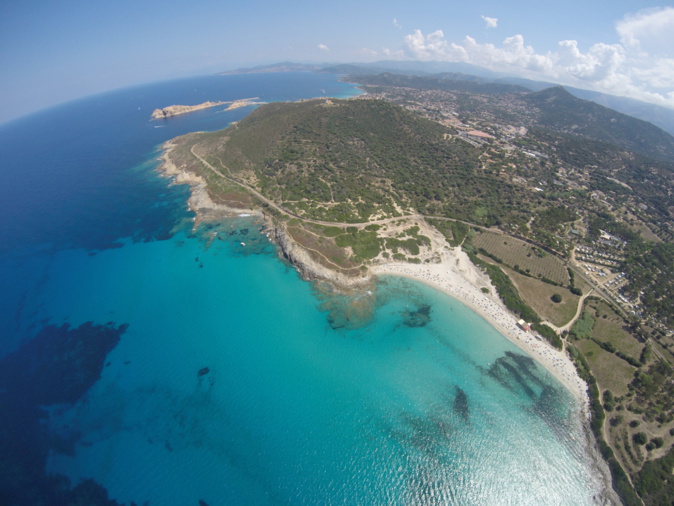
{"x":650,"y":30}
{"x":641,"y":66}
{"x":323,"y":47}
{"x":491,"y":22}
{"x":394,"y":54}
{"x":429,"y":47}
{"x":367,"y":52}
{"x":396,"y":24}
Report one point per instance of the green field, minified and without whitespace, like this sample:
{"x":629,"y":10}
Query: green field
{"x":523,"y":256}
{"x":538,"y":295}
{"x":610,"y":327}
{"x":612,"y":373}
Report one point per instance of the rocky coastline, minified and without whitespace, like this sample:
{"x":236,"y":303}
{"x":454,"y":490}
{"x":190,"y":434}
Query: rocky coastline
{"x":307,"y":267}
{"x":201,"y":203}
{"x":176,"y":110}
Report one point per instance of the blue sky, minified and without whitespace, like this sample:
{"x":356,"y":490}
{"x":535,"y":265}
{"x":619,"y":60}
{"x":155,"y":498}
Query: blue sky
{"x":51,"y":52}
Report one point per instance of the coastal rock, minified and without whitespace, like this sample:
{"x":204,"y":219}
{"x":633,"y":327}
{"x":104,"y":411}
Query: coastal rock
{"x":175,"y":110}
{"x":201,"y":203}
{"x":307,"y":267}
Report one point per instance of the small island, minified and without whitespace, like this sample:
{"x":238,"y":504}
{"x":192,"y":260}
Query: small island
{"x":177,"y":110}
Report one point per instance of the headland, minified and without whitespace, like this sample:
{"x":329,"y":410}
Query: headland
{"x":442,"y":267}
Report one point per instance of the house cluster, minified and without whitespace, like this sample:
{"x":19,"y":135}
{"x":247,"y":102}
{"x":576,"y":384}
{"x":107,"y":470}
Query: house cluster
{"x":598,"y":257}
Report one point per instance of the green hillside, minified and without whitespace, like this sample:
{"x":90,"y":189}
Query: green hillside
{"x":350,"y":161}
{"x":560,"y":111}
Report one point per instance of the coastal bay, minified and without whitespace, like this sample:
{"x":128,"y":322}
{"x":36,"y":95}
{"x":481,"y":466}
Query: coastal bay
{"x":217,"y":389}
{"x":454,"y":274}
{"x":447,"y":269}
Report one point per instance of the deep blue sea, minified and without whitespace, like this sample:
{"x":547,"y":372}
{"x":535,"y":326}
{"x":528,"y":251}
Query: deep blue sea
{"x":173,"y":365}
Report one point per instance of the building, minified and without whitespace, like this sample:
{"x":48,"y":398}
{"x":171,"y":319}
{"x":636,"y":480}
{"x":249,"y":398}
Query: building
{"x":524,"y":325}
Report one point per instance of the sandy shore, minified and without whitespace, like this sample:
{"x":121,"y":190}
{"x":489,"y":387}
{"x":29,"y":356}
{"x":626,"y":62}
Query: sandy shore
{"x":456,"y":276}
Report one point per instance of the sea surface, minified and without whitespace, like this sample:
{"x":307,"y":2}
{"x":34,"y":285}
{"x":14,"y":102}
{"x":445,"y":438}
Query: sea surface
{"x":173,"y":365}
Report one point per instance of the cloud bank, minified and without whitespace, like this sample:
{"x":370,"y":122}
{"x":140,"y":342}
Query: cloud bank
{"x":323,"y":47}
{"x":640,"y":66}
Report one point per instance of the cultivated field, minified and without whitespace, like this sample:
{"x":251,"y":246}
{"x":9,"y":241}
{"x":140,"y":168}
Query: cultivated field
{"x":538,"y":295}
{"x":527,"y":258}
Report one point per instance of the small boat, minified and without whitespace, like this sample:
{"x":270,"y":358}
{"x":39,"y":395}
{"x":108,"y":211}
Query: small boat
{"x":243,"y":244}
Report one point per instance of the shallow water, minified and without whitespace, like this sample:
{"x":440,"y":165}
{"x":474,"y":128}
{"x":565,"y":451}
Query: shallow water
{"x":291,"y":408}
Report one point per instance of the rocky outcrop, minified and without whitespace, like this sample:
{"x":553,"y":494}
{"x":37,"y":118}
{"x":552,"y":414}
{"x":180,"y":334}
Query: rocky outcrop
{"x":309,"y":268}
{"x":175,"y":110}
{"x":201,"y":203}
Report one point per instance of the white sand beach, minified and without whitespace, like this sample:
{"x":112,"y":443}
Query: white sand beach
{"x":456,"y":276}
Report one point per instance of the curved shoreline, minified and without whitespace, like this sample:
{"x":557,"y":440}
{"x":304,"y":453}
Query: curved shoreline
{"x":455,"y":275}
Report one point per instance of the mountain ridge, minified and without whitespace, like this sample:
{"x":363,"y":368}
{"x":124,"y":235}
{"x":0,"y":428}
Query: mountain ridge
{"x":662,"y":117}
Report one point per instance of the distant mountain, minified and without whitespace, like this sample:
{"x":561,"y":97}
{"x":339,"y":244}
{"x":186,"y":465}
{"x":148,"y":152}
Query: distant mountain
{"x":430,"y":67}
{"x":559,"y":110}
{"x":275,"y":67}
{"x":553,"y":108}
{"x":363,"y":70}
{"x":662,"y":117}
{"x":445,"y":82}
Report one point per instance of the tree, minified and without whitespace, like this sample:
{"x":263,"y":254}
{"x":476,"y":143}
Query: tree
{"x":556,"y":298}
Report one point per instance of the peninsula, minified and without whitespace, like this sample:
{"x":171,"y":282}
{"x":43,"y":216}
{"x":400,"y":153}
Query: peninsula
{"x":176,"y":110}
{"x":541,"y":230}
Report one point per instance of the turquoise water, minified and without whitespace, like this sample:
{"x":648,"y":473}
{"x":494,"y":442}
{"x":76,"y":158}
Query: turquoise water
{"x":292,"y":411}
{"x":231,"y":386}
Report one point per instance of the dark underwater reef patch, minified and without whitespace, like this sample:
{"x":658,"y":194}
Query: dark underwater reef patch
{"x":344,"y":311}
{"x":419,"y":318}
{"x":243,"y":235}
{"x":460,"y":404}
{"x":57,"y":366}
{"x":518,"y":372}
